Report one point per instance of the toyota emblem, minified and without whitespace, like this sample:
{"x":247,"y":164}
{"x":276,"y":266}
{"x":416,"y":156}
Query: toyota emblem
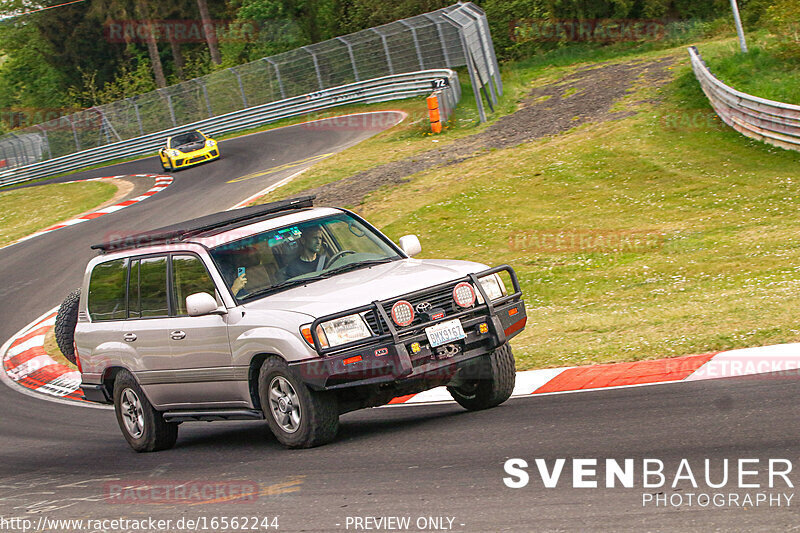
{"x":424,"y":306}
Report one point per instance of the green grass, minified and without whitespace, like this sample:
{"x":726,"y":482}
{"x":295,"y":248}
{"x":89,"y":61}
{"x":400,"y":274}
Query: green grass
{"x":766,"y":70}
{"x":26,"y":211}
{"x":717,"y":211}
{"x":413,"y":136}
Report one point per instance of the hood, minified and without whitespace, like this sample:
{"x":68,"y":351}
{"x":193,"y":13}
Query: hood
{"x":190,"y":147}
{"x":364,"y":286}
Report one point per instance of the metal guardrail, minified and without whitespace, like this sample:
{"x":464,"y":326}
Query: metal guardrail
{"x":447,"y":38}
{"x":769,"y":121}
{"x":371,"y":91}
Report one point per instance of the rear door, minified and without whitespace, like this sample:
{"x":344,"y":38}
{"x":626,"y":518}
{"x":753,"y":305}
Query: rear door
{"x":201,"y":354}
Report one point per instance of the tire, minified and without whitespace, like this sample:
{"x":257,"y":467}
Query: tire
{"x":142,"y":426}
{"x":66,"y":320}
{"x":492,"y":390}
{"x":298,"y":416}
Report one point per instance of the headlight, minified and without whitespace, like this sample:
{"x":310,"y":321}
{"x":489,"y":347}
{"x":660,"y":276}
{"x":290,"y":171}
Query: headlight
{"x":210,"y":143}
{"x":339,"y":331}
{"x":494,"y":287}
{"x":173,"y":153}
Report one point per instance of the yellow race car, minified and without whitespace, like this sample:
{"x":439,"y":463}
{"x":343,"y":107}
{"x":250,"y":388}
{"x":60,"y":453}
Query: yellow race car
{"x":187,"y":149}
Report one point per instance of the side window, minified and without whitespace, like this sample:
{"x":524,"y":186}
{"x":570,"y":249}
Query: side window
{"x":107,"y":291}
{"x":189,"y":276}
{"x":153,"y":287}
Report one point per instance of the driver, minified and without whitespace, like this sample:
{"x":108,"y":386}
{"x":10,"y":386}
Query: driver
{"x":311,"y":258}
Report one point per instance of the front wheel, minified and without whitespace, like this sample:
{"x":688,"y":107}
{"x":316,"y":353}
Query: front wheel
{"x":142,"y":426}
{"x":488,"y":383}
{"x":298,"y":416}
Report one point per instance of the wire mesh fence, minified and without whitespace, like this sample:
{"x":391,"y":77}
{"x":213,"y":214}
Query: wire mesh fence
{"x":451,"y":37}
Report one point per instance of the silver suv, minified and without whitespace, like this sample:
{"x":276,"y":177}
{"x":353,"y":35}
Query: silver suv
{"x":288,"y":313}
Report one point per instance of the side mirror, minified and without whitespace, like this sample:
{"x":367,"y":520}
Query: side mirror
{"x":410,"y":245}
{"x":202,"y":303}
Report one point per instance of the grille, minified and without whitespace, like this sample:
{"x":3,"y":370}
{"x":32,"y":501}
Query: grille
{"x":196,"y":159}
{"x":442,"y":298}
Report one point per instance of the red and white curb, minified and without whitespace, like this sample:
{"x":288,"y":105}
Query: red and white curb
{"x":780,"y":361}
{"x":26,"y":364}
{"x":162,"y":182}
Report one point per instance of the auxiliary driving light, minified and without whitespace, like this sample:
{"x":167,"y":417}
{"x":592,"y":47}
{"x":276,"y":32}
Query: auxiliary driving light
{"x":464,"y":294}
{"x":415,"y":347}
{"x":483,"y":328}
{"x":402,"y":313}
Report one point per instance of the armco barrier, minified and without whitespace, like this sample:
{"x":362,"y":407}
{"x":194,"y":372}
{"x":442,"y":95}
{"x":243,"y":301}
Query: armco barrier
{"x":766,"y":120}
{"x":371,"y":91}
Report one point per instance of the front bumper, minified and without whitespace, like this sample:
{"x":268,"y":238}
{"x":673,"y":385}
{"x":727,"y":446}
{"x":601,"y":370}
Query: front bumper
{"x":392,"y":358}
{"x":195,"y":158}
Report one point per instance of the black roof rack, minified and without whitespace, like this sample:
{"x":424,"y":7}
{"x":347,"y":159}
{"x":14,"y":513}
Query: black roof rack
{"x":196,"y":226}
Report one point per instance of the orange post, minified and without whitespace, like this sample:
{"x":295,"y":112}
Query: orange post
{"x":433,"y":112}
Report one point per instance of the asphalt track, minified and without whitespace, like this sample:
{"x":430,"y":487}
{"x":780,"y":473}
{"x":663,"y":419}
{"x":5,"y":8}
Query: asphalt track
{"x":61,"y":461}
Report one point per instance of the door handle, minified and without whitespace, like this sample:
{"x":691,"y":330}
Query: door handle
{"x":129,"y":337}
{"x":177,"y":335}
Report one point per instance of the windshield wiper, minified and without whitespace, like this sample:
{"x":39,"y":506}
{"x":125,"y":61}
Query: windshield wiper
{"x":323,"y":275}
{"x":356,"y":266}
{"x":283,"y":285}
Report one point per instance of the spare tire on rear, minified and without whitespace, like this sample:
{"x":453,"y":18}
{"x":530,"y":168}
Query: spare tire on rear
{"x":66,"y":320}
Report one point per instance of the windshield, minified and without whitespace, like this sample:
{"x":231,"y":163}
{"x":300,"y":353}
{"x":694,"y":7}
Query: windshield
{"x":186,"y":138}
{"x":294,"y":255}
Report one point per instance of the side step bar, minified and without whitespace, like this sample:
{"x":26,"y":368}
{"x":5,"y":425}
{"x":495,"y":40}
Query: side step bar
{"x":213,"y":414}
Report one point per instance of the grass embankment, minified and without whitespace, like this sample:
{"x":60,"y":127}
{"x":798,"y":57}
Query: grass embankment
{"x":767,"y":70}
{"x":26,"y":211}
{"x":678,"y":235}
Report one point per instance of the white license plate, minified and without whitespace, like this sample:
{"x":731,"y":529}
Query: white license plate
{"x":445,"y":333}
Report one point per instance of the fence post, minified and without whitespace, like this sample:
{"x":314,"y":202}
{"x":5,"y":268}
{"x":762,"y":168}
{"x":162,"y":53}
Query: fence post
{"x":46,"y":142}
{"x":316,"y":67}
{"x":169,"y":106}
{"x":416,"y":43}
{"x":352,"y":57}
{"x":486,"y":34}
{"x":442,"y":40}
{"x":386,"y":50}
{"x":241,"y":87}
{"x":277,"y":75}
{"x":13,"y":144}
{"x":205,"y":97}
{"x":74,"y":132}
{"x":471,"y":67}
{"x":132,"y":101}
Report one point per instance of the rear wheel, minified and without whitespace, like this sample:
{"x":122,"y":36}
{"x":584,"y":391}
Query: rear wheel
{"x":142,"y":426}
{"x":488,"y":383}
{"x":66,"y":320}
{"x":298,"y":416}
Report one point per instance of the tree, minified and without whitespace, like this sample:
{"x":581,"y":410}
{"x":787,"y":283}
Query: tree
{"x":209,"y":31}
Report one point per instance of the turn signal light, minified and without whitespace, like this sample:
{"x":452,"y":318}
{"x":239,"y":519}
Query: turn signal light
{"x":306,"y":331}
{"x":351,"y":360}
{"x":415,"y":347}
